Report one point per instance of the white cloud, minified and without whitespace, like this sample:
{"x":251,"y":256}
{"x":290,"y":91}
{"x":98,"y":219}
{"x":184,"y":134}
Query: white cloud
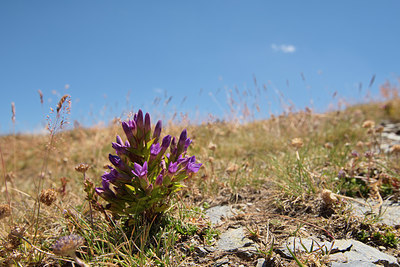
{"x":284,"y":48}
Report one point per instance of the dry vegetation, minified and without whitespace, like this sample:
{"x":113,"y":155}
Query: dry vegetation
{"x":280,"y":165}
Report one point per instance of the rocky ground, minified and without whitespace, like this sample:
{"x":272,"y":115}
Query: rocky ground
{"x":256,"y":229}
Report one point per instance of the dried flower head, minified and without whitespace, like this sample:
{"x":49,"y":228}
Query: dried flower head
{"x":5,"y":211}
{"x":212,"y":146}
{"x":14,"y":237}
{"x":48,"y":196}
{"x":395,"y":149}
{"x":67,"y":245}
{"x":328,"y":145}
{"x":83,"y":167}
{"x":379,"y":129}
{"x":328,"y":197}
{"x":369,"y":154}
{"x":368,"y":124}
{"x":297,"y":143}
{"x":232,"y":168}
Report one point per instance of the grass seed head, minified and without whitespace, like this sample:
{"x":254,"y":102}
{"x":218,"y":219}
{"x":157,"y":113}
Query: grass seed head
{"x":5,"y":211}
{"x":61,"y":102}
{"x":48,"y":196}
{"x":41,"y":96}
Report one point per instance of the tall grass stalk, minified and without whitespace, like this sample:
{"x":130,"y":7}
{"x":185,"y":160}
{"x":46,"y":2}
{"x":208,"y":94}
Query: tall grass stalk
{"x":53,"y":127}
{"x":5,"y":185}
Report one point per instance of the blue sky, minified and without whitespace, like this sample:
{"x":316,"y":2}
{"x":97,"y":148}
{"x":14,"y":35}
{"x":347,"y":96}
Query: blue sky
{"x":115,"y":56}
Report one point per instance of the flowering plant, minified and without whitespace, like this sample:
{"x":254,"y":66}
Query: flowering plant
{"x":143,"y":176}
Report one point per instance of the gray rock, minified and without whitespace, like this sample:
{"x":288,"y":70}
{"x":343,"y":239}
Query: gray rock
{"x":200,"y":251}
{"x":261,"y":262}
{"x":210,"y":249}
{"x":233,"y":239}
{"x":342,"y":252}
{"x":246,"y":253}
{"x":217,"y":213}
{"x":388,"y":214}
{"x":391,"y":136}
{"x":221,"y":262}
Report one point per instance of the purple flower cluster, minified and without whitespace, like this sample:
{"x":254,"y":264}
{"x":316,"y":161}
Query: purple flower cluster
{"x":144,"y":174}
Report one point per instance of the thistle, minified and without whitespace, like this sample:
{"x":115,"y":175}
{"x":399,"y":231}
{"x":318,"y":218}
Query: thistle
{"x":145,"y":173}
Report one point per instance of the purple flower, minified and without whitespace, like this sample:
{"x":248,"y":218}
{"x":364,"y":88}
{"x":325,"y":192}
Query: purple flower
{"x":119,"y":146}
{"x":110,"y":176}
{"x":117,"y":162}
{"x":165,"y":144}
{"x":173,"y":168}
{"x":192,"y":166}
{"x":155,"y":149}
{"x":130,"y":129}
{"x":181,"y":146}
{"x":341,"y":174}
{"x":105,"y":191}
{"x":187,"y":143}
{"x":159,"y":179}
{"x":183,"y":160}
{"x":140,"y":171}
{"x":119,"y":140}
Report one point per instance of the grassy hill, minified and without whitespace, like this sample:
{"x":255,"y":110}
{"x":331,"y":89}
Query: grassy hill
{"x":280,"y":165}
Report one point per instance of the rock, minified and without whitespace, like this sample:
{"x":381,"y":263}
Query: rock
{"x":200,"y":251}
{"x":246,"y":253}
{"x":389,"y":214}
{"x":217,"y":213}
{"x":342,"y":253}
{"x":210,"y":249}
{"x":233,"y":239}
{"x":221,"y":262}
{"x":261,"y":262}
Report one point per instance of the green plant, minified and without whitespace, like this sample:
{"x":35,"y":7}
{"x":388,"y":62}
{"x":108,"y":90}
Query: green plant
{"x":143,"y":177}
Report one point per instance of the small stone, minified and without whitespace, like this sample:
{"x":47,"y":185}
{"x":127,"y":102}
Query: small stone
{"x":200,"y":251}
{"x":246,"y":253}
{"x":260,"y":262}
{"x":221,"y":262}
{"x":210,"y":249}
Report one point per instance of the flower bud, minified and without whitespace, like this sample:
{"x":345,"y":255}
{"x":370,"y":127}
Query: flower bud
{"x":157,"y":131}
{"x":147,"y":127}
